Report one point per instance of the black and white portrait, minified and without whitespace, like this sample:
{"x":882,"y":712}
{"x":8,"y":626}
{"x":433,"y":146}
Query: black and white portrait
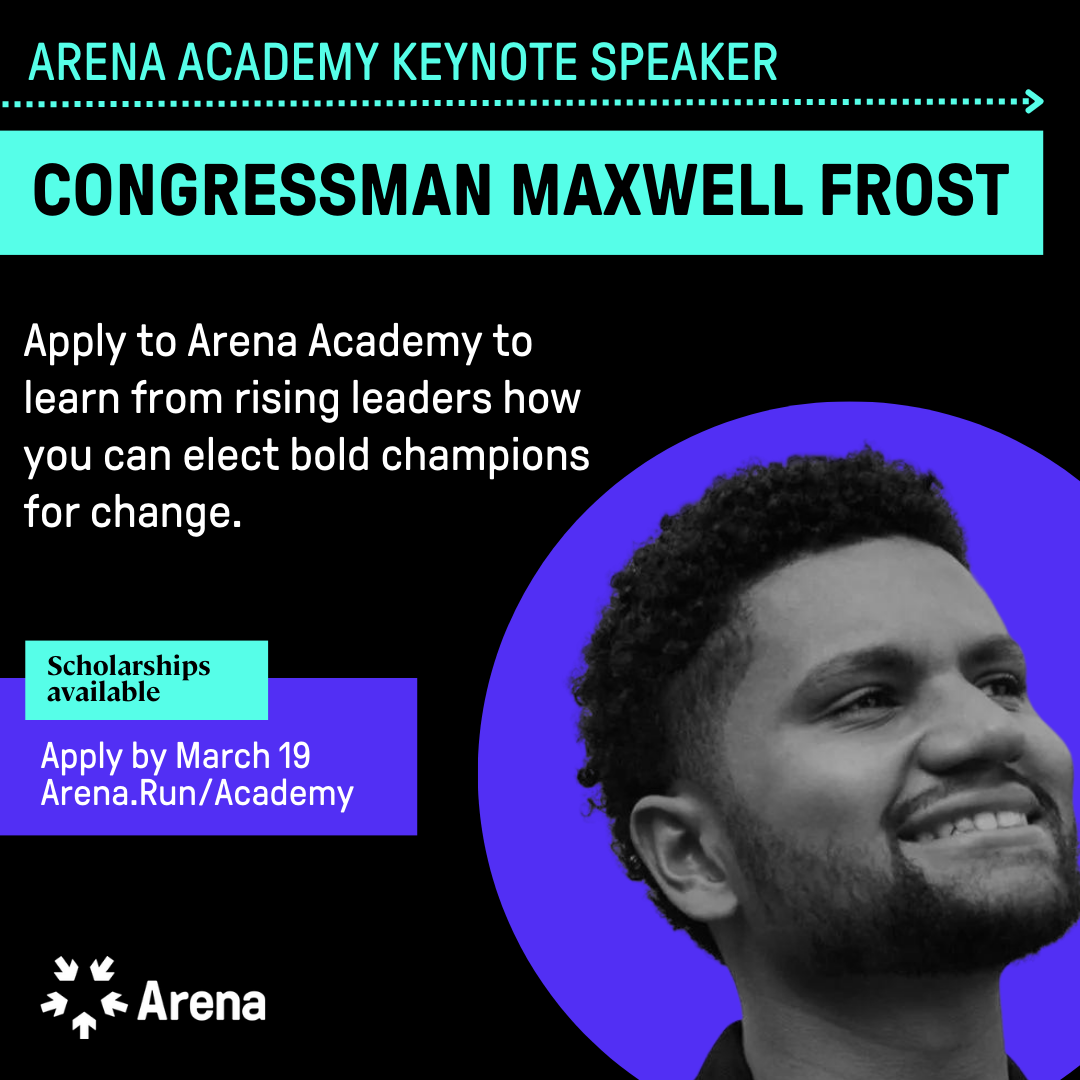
{"x":811,"y":731}
{"x":776,"y":763}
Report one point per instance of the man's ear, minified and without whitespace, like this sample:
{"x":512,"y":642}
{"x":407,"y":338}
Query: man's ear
{"x":677,"y":837}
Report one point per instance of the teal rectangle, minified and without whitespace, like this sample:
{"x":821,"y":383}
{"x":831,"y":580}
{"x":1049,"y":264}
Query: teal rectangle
{"x":231,"y":686}
{"x":1017,"y":228}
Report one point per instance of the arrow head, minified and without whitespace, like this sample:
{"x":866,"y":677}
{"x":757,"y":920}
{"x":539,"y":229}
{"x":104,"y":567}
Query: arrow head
{"x":101,"y":971}
{"x":1036,"y":101}
{"x":57,"y":1002}
{"x":84,"y":1021}
{"x":67,"y":971}
{"x":112,"y":1001}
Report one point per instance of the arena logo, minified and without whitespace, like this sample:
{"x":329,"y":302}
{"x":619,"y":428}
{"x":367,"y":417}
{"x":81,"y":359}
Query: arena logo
{"x":200,"y":1005}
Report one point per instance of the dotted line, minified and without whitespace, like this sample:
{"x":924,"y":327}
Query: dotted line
{"x":484,"y":102}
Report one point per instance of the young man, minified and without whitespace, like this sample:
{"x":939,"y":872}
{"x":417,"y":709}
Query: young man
{"x":811,"y":732}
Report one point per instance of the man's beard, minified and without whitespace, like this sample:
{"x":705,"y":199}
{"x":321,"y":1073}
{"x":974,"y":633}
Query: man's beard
{"x":847,"y":916}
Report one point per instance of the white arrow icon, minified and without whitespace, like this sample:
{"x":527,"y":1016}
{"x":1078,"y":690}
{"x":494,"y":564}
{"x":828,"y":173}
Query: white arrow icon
{"x":110,"y":1002}
{"x":84,"y":1021}
{"x":58,"y":1002}
{"x":67,"y":971}
{"x":101,"y":971}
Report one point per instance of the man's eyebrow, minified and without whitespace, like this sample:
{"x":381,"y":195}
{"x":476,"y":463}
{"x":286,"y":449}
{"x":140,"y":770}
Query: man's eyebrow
{"x":894,"y":658}
{"x":887,"y":657}
{"x":999,"y":647}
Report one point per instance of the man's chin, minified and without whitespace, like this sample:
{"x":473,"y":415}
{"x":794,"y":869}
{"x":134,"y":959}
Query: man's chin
{"x":952,"y":929}
{"x":1031,"y":883}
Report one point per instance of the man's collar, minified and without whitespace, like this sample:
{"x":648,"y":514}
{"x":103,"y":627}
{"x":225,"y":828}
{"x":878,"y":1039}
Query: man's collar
{"x":726,"y":1060}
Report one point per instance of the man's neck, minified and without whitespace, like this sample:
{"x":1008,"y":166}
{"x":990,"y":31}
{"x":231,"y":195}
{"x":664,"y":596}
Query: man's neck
{"x":890,"y":1029}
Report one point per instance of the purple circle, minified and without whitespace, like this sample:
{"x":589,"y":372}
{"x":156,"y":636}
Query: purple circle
{"x":643,"y":993}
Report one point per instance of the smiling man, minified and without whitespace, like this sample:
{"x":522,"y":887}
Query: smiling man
{"x":812,"y":735}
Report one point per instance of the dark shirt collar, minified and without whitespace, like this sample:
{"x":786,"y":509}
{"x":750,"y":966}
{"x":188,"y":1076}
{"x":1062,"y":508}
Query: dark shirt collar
{"x":726,"y":1060}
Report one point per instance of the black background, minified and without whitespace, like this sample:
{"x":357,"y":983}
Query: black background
{"x":394,"y":951}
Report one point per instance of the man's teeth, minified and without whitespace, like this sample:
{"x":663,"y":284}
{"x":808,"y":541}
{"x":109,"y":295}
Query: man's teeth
{"x":984,"y":822}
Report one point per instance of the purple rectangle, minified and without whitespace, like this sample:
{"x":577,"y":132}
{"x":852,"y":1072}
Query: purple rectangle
{"x":360,"y":779}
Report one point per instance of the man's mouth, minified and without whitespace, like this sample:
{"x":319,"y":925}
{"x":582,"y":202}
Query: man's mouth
{"x":984,"y":822}
{"x":999,"y":812}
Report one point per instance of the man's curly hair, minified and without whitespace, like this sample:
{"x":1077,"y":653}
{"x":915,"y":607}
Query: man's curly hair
{"x":674,"y":641}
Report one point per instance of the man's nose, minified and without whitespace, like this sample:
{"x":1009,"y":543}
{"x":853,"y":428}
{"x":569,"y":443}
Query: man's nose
{"x":964,"y":726}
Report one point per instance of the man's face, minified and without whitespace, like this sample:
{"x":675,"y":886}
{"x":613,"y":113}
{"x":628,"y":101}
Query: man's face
{"x":841,"y":761}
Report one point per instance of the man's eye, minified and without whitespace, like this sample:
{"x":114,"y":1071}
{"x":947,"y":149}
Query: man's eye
{"x":1004,"y":686}
{"x":878,"y":698}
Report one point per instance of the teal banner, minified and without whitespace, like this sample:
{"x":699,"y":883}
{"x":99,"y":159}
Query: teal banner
{"x":146,"y":680}
{"x":524,"y":193}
